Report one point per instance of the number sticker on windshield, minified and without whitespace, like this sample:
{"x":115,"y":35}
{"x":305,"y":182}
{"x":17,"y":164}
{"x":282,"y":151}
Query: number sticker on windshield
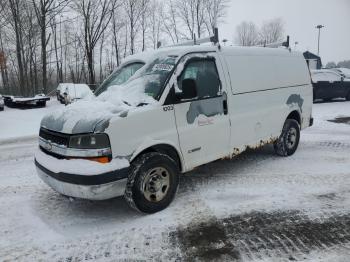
{"x":162,"y":67}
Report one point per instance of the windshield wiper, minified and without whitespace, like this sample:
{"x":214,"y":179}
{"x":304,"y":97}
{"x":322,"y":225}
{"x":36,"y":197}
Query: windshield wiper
{"x":126,"y":103}
{"x":142,"y":104}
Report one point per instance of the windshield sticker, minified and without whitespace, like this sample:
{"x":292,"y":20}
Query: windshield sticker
{"x":162,"y":67}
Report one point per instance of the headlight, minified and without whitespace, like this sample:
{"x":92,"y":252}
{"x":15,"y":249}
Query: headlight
{"x":91,"y":141}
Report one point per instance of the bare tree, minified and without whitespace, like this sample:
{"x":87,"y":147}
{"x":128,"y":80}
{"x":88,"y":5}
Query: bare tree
{"x":272,"y":31}
{"x":45,"y":11}
{"x":134,"y":11}
{"x":186,"y":9}
{"x":96,"y":15}
{"x":117,"y":25}
{"x":3,"y":60}
{"x":215,"y":12}
{"x":170,"y":21}
{"x":15,"y":7}
{"x":145,"y":12}
{"x":247,"y":34}
{"x":56,"y":44}
{"x":156,"y":22}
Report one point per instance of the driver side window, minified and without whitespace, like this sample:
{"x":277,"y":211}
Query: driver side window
{"x":205,"y":75}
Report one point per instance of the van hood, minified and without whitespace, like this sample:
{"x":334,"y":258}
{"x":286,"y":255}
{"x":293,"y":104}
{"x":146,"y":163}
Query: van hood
{"x":83,"y":117}
{"x":93,"y":113}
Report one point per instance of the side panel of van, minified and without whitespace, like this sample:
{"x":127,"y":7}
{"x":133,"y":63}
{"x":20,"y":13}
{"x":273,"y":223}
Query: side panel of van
{"x":265,"y":89}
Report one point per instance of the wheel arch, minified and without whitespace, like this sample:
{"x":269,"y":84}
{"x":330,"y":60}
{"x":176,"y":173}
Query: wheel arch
{"x":164,"y":148}
{"x":295,"y":115}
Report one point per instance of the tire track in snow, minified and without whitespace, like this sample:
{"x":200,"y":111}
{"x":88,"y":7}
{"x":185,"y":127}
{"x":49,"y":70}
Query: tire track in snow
{"x":257,"y":236}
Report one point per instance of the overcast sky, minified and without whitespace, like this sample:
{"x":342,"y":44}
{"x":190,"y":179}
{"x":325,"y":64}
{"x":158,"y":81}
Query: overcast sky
{"x":300,"y":17}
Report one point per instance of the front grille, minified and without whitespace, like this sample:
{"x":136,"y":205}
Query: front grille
{"x":52,"y":153}
{"x":54,"y":137}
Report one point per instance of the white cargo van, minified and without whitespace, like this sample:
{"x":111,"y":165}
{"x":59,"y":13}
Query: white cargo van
{"x":166,"y":112}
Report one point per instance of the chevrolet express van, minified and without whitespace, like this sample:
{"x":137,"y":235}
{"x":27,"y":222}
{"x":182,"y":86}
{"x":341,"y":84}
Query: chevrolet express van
{"x":166,"y":112}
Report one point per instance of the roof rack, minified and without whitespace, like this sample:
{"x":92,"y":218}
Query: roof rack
{"x":277,"y":44}
{"x":211,"y":39}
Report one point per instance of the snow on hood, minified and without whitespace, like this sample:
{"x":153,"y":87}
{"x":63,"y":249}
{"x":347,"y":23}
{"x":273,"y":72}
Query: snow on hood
{"x":92,"y":114}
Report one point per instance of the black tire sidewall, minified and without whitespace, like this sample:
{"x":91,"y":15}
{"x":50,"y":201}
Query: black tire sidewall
{"x":290,"y":123}
{"x":149,"y":162}
{"x":348,"y":96}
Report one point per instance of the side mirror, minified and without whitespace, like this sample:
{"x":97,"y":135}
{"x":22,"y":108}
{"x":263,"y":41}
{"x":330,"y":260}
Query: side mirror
{"x":189,"y":89}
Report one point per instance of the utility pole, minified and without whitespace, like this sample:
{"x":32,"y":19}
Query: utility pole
{"x":319,"y":27}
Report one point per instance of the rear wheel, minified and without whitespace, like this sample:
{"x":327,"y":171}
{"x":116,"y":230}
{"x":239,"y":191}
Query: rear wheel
{"x":288,"y":141}
{"x":153,"y":182}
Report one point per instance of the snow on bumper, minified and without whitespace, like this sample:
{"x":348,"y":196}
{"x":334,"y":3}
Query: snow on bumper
{"x":83,"y":178}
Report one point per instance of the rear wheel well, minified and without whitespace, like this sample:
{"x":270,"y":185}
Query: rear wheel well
{"x":295,"y":115}
{"x":164,"y":149}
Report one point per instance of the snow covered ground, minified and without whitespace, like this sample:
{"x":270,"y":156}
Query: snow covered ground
{"x":257,"y":207}
{"x":23,"y":124}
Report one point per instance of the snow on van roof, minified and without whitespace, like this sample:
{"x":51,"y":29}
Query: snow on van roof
{"x":230,"y":50}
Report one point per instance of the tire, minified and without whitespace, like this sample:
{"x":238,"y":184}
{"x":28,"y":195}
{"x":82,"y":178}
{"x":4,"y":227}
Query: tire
{"x":156,"y":168}
{"x":288,"y":142}
{"x":348,"y":97}
{"x":41,"y":104}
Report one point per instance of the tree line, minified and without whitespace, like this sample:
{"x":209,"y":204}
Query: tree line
{"x":46,"y":42}
{"x":249,"y":34}
{"x":345,"y":63}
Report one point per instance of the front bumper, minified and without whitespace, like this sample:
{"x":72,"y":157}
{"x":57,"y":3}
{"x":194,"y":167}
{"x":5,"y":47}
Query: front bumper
{"x":96,"y":187}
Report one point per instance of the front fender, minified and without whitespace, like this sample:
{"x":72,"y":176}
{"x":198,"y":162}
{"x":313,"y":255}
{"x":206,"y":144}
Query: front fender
{"x":153,"y":143}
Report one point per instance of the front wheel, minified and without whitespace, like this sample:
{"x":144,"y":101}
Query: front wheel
{"x":153,"y":182}
{"x":288,"y":142}
{"x":348,"y":97}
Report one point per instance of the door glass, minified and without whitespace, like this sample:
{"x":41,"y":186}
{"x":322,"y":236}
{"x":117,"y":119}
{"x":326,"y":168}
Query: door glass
{"x":205,"y":75}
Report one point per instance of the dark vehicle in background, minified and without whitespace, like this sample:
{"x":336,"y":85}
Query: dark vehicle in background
{"x":345,"y":72}
{"x":2,"y":104}
{"x":26,"y":102}
{"x":329,"y":84}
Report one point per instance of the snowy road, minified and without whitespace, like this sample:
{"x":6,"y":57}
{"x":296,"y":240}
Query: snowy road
{"x":257,"y":207}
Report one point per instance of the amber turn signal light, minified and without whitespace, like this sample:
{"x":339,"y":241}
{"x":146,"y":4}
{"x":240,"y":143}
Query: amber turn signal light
{"x":102,"y":159}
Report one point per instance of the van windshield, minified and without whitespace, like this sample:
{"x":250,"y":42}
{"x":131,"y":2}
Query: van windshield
{"x":149,"y":80}
{"x":120,"y":76}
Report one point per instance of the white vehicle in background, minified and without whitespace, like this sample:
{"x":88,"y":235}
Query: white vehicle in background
{"x":168,"y":111}
{"x":2,"y":103}
{"x":69,"y":92}
{"x":345,"y":72}
{"x":326,"y":75}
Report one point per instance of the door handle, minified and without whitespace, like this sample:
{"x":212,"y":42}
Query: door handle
{"x":224,"y":104}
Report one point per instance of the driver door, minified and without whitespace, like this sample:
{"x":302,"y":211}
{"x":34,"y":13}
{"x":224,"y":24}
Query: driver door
{"x":202,"y":122}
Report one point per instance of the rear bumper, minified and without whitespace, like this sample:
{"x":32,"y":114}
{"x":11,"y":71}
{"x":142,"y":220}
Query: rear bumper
{"x":96,"y":187}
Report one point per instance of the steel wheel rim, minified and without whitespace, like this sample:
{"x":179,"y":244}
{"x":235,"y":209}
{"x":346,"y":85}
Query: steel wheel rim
{"x":291,"y":138}
{"x":156,"y":184}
